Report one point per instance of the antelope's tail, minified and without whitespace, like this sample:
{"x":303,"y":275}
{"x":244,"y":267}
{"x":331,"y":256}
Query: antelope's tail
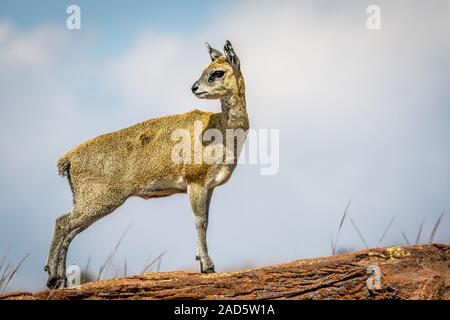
{"x":63,"y":166}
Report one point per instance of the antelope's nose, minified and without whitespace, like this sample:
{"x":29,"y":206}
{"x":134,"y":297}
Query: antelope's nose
{"x":194,"y":87}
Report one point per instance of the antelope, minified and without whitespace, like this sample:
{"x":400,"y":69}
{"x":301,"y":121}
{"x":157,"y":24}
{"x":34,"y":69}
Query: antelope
{"x":136,"y":161}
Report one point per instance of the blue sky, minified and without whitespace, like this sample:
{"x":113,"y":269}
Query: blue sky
{"x":113,"y":14}
{"x":362,"y":114}
{"x":115,"y":23}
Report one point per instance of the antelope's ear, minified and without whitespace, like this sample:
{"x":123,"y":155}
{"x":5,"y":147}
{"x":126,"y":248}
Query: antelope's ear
{"x":231,"y":56}
{"x":213,"y":53}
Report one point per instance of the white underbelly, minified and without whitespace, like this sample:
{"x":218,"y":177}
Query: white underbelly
{"x":163,"y":188}
{"x":221,"y":176}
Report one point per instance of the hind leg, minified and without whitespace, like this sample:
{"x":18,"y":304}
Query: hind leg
{"x":83,"y":215}
{"x":59,"y":233}
{"x":74,"y":230}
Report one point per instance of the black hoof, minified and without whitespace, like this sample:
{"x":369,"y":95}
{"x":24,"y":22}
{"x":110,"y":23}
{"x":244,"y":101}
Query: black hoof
{"x":55,"y":282}
{"x":52,"y":282}
{"x":209,"y":270}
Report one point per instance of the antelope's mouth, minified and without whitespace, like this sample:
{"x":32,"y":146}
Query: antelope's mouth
{"x":201,"y":94}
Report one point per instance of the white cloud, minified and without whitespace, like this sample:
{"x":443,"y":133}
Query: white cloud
{"x":155,"y":75}
{"x":33,"y":49}
{"x":34,"y":95}
{"x":5,"y":30}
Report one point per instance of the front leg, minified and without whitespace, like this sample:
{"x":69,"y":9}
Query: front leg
{"x":200,"y":198}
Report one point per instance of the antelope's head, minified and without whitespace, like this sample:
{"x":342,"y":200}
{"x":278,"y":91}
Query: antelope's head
{"x":220,"y":78}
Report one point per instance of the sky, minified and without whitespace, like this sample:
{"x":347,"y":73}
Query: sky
{"x":362,"y":115}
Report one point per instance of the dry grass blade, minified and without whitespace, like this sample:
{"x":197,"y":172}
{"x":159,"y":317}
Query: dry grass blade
{"x":2,"y":262}
{"x":405,"y":238}
{"x":4,"y":267}
{"x":334,"y":243}
{"x":359,"y":232}
{"x":13,"y":272}
{"x":419,"y":232}
{"x":436,"y":225}
{"x":158,"y":266}
{"x":4,"y":275}
{"x":86,"y":267}
{"x":108,"y":261}
{"x":125,"y":268}
{"x":147,"y":268}
{"x":386,"y":230}
{"x":333,"y":249}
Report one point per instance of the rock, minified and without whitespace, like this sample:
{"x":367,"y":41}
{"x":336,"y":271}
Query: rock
{"x":415,"y":272}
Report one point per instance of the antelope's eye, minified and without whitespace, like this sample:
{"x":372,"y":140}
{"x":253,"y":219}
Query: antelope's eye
{"x":217,"y":74}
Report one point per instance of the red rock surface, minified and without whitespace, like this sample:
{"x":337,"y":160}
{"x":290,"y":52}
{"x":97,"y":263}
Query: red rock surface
{"x":416,"y":272}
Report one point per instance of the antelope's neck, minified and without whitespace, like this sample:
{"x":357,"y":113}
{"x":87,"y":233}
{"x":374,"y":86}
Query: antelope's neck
{"x":234,"y":112}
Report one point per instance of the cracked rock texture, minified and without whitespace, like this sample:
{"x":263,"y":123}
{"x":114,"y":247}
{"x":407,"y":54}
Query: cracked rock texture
{"x":415,"y":272}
